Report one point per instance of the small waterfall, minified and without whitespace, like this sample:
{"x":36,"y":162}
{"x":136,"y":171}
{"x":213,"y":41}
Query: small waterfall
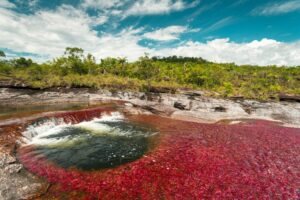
{"x":105,"y":141}
{"x":43,"y":131}
{"x":83,"y":115}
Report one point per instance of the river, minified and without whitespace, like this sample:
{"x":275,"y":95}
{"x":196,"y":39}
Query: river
{"x":104,"y":152}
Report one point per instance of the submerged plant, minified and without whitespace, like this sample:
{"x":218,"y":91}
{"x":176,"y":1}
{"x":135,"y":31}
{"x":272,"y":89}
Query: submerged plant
{"x":255,"y":160}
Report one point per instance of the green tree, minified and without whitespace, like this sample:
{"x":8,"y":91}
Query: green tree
{"x":108,"y":65}
{"x":146,"y":69}
{"x":74,"y":52}
{"x":2,"y":54}
{"x":122,"y":63}
{"x":22,"y":62}
{"x":5,"y":69}
{"x":90,"y":64}
{"x":74,"y":60}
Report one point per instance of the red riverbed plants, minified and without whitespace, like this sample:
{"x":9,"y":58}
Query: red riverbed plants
{"x":254,"y":160}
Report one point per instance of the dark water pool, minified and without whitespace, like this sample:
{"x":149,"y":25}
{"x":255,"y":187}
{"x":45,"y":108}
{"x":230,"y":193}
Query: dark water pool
{"x":103,"y":142}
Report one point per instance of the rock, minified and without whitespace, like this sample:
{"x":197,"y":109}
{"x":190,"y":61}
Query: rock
{"x":6,"y":159}
{"x":185,"y":100}
{"x":237,"y":98}
{"x":153,"y":96}
{"x":151,"y":110}
{"x":17,"y":184}
{"x":161,"y":90}
{"x":10,"y":159}
{"x":164,"y":109}
{"x":18,"y":84}
{"x":13,"y":168}
{"x":247,"y":109}
{"x":130,"y":105}
{"x":192,"y":116}
{"x":179,"y":106}
{"x":289,"y":98}
{"x":2,"y":161}
{"x":220,"y":109}
{"x":142,"y":97}
{"x":193,"y":94}
{"x":149,"y":96}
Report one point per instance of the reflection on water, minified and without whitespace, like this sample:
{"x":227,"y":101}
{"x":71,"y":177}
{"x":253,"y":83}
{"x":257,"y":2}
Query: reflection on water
{"x":103,"y":142}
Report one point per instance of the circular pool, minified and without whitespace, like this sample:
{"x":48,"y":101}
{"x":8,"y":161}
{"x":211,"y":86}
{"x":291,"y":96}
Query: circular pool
{"x":103,"y":142}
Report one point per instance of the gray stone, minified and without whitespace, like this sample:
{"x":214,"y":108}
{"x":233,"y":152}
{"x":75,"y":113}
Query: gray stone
{"x":13,"y":168}
{"x":16,"y":183}
{"x":198,"y":106}
{"x":179,"y":106}
{"x":220,"y":109}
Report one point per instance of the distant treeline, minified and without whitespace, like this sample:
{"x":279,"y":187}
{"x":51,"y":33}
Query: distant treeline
{"x":75,"y":69}
{"x":179,"y":59}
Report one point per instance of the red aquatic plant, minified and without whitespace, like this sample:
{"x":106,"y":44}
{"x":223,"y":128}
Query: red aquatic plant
{"x":256,"y":160}
{"x":83,"y":115}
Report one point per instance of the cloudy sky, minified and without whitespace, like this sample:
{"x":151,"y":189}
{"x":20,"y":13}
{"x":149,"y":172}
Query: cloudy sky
{"x":260,"y":32}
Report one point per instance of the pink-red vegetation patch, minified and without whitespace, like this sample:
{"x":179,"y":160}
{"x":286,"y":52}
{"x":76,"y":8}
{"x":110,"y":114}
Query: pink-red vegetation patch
{"x":257,"y":160}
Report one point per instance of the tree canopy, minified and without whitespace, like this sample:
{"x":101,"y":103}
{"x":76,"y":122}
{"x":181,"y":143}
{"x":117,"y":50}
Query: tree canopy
{"x":2,"y":54}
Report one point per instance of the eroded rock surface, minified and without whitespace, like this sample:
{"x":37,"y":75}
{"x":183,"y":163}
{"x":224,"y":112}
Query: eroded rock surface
{"x":183,"y":105}
{"x":15,"y":181}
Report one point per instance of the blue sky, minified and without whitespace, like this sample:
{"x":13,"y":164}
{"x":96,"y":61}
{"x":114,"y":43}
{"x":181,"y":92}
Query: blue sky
{"x":261,"y":32}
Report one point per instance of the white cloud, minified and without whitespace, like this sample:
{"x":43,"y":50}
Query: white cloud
{"x":169,"y":33}
{"x":6,"y":4}
{"x":263,"y":52}
{"x":125,"y":8}
{"x":166,"y":34}
{"x":102,"y":4}
{"x":99,"y":20}
{"x":124,"y":44}
{"x":219,"y":24}
{"x":278,"y":8}
{"x":48,"y":32}
{"x":33,"y":3}
{"x":152,"y":7}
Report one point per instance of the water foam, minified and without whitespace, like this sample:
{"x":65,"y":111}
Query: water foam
{"x":44,"y":133}
{"x":57,"y":132}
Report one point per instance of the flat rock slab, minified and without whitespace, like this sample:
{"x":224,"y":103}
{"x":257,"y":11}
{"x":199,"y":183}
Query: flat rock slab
{"x":15,"y":182}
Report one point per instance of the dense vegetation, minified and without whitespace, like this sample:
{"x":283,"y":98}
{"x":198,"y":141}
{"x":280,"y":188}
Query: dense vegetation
{"x":75,"y":69}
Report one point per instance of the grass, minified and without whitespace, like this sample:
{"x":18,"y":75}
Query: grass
{"x":166,"y":74}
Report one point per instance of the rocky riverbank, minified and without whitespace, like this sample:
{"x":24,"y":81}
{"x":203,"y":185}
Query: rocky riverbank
{"x":17,"y":183}
{"x":185,"y":105}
